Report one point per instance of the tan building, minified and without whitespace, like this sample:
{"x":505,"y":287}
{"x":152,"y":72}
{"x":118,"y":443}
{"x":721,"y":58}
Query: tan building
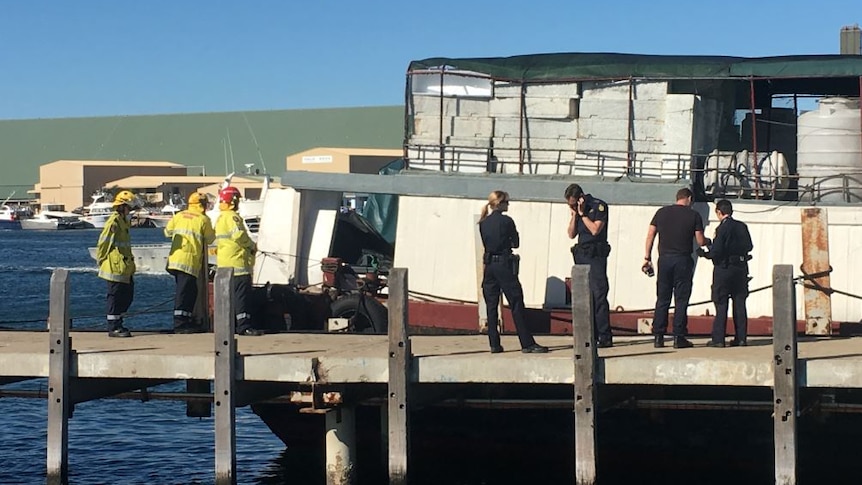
{"x":157,"y":190}
{"x":342,"y":160}
{"x":72,"y":182}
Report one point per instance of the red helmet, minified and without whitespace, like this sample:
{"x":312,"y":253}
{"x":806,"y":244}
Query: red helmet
{"x":228,"y":195}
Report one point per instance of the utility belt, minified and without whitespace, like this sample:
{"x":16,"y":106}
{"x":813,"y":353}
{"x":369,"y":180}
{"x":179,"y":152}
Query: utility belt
{"x":592,"y":249}
{"x":736,"y":260}
{"x":513,"y":260}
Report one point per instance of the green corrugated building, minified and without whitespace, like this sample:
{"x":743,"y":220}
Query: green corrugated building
{"x":217,"y":141}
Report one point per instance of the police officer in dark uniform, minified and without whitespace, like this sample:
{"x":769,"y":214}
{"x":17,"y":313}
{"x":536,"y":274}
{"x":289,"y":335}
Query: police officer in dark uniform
{"x":729,"y":253}
{"x":499,"y":236}
{"x":589,"y":223}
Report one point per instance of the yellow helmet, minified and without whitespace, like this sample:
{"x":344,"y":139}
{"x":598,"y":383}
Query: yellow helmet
{"x":197,"y":198}
{"x":126,"y":197}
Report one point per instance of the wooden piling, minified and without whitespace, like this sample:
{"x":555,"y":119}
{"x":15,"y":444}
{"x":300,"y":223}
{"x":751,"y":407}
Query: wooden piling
{"x":785,"y":378}
{"x":585,"y":360}
{"x":400,"y":357}
{"x":225,"y":378}
{"x":59,"y":366}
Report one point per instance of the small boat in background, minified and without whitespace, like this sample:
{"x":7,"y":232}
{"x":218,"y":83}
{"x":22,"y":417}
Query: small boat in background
{"x":9,"y":218}
{"x":174,"y":205}
{"x":8,"y":215}
{"x":52,"y":218}
{"x":98,"y":212}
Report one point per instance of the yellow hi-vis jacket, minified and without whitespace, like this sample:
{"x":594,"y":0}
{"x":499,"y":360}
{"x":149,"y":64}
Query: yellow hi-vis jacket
{"x":235,"y":249}
{"x":191,"y":232}
{"x":114,"y":250}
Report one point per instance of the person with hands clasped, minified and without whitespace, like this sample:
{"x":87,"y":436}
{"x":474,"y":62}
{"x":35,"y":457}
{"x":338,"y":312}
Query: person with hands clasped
{"x":116,"y":262}
{"x":499,"y":236}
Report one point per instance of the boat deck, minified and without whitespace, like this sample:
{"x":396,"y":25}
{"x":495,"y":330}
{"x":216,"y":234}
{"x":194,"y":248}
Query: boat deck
{"x":356,"y":359}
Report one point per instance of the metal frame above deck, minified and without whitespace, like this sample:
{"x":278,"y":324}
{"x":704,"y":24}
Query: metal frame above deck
{"x":530,"y":188}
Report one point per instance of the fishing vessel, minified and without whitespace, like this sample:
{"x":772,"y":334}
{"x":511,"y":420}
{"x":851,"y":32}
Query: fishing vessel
{"x":779,"y":136}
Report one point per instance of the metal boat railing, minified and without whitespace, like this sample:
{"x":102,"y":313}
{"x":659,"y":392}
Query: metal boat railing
{"x":718,"y":174}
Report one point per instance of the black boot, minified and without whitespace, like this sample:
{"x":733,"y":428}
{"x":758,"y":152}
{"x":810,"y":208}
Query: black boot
{"x":681,"y":343}
{"x":116,"y":329}
{"x":659,"y":341}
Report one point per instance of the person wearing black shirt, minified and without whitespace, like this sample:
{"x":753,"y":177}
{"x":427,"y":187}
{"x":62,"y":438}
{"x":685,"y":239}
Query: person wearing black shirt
{"x":676,"y":226}
{"x":589,"y":223}
{"x":729,"y":253}
{"x":499,"y":236}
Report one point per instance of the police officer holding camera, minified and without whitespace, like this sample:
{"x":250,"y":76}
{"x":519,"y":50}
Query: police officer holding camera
{"x":589,"y":223}
{"x":499,"y":236}
{"x":729,"y":253}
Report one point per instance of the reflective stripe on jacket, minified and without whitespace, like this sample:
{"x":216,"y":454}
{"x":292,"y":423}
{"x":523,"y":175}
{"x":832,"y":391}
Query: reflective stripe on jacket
{"x":114,"y":250}
{"x":234,"y":246}
{"x":191,"y":232}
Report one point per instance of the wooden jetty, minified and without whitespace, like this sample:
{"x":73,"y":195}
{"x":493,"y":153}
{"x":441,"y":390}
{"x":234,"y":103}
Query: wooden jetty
{"x":81,"y":366}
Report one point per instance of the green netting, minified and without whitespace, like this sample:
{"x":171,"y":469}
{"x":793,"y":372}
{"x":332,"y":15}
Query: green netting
{"x":598,"y":66}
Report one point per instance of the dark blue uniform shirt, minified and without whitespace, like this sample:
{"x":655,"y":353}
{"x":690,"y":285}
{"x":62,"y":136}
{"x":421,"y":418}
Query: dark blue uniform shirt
{"x":732,"y":239}
{"x":498,"y":232}
{"x":596,"y":210}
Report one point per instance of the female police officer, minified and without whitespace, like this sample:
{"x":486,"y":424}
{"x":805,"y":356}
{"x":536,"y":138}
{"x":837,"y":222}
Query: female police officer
{"x":499,"y":236}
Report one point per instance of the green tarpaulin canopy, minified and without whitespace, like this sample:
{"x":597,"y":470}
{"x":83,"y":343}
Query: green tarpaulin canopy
{"x":605,"y":66}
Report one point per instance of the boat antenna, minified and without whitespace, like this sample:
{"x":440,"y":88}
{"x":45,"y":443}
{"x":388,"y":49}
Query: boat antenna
{"x":254,"y":138}
{"x":224,"y":146}
{"x":230,"y":146}
{"x":7,"y":198}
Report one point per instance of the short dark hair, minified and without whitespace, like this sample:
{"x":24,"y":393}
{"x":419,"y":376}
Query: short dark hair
{"x":724,"y":206}
{"x":574,"y":190}
{"x":683,"y":194}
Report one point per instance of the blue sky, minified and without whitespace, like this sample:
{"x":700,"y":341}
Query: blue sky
{"x":112,"y":57}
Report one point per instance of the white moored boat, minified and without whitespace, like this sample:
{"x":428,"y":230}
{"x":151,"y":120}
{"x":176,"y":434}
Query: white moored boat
{"x":97,"y":213}
{"x":51,"y":219}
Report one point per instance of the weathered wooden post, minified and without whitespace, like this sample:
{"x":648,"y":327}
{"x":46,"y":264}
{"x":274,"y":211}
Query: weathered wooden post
{"x":224,"y":393}
{"x":585,"y":360}
{"x":59,"y":366}
{"x":785,"y":381}
{"x":400,"y":357}
{"x":815,"y":259}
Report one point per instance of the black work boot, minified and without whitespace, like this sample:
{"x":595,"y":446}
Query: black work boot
{"x":659,"y":341}
{"x":116,"y":329}
{"x":682,"y":343}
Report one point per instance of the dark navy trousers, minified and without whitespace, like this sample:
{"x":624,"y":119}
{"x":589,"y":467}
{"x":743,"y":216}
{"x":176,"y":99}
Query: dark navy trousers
{"x":674,"y":280}
{"x":728,"y":282}
{"x":498,"y":277}
{"x":599,"y":288}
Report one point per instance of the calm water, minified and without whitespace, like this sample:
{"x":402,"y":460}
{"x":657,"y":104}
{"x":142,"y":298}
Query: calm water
{"x":110,"y":441}
{"x":131,"y":442}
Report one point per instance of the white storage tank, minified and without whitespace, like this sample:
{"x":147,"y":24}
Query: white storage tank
{"x":830,"y":151}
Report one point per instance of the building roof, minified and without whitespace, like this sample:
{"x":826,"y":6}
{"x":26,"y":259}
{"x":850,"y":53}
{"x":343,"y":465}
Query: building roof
{"x":606,"y":66}
{"x":382,"y":152}
{"x":113,"y":163}
{"x":149,"y":181}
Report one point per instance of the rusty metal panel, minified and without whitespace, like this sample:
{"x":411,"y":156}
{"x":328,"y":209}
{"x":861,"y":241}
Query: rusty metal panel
{"x":815,"y":259}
